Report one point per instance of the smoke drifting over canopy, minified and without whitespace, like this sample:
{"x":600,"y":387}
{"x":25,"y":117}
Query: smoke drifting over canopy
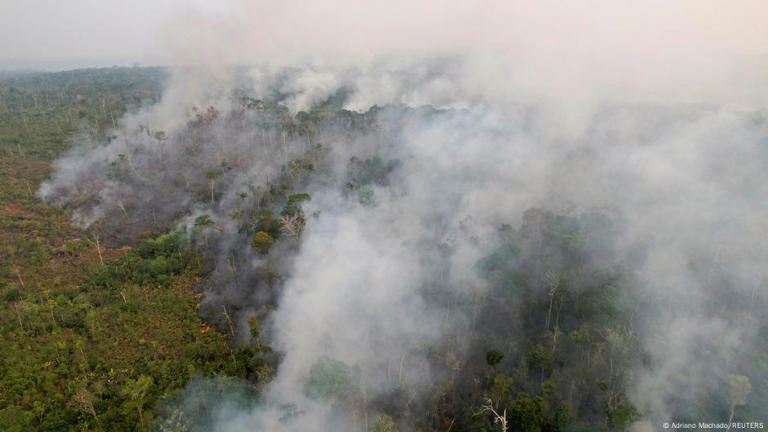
{"x":435,"y":129}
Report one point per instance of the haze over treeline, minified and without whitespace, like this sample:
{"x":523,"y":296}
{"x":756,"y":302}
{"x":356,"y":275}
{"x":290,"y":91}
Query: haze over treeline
{"x":456,"y":216}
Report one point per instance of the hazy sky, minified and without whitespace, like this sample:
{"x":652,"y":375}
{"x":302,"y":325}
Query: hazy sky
{"x":167,"y":31}
{"x":92,"y":32}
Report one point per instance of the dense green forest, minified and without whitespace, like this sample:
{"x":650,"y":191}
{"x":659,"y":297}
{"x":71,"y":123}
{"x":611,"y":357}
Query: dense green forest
{"x":159,"y":313}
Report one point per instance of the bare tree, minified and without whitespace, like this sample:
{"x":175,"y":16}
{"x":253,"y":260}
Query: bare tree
{"x":98,"y":247}
{"x":552,"y":282}
{"x":83,"y":400}
{"x":229,"y":320}
{"x":292,"y":226}
{"x":497,"y":418}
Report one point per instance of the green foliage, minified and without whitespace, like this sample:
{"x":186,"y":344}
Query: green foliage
{"x":374,"y":171}
{"x":197,"y":408}
{"x":566,"y":329}
{"x":365,"y":196}
{"x":265,"y":221}
{"x":212,"y":174}
{"x":203,"y":221}
{"x":332,"y":381}
{"x":540,"y":359}
{"x":493,"y":357}
{"x":261,"y":242}
{"x":500,"y":387}
{"x":254,"y":328}
{"x":88,"y":346}
{"x":527,"y":413}
{"x":383,"y":423}
{"x":154,"y":261}
{"x":11,"y":295}
{"x":621,"y":417}
{"x":293,"y":205}
{"x":135,"y":392}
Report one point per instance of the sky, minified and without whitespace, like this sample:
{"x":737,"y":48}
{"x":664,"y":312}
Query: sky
{"x":56,"y":34}
{"x":92,"y":32}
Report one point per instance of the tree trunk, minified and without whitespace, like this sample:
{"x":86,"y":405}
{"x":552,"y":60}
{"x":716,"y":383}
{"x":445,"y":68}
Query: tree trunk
{"x":98,"y":248}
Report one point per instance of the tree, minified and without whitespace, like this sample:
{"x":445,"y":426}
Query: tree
{"x":493,"y":357}
{"x":261,"y":242}
{"x":293,"y":226}
{"x":333,"y":380}
{"x":293,"y":206}
{"x":202,"y":222}
{"x":384,"y":423}
{"x":527,"y":413}
{"x":212,"y":175}
{"x":540,"y":359}
{"x":497,"y":418}
{"x":136,"y":391}
{"x":83,"y":401}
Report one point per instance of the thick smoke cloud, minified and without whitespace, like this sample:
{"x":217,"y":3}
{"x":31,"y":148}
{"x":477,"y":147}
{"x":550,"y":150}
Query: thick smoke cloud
{"x":584,"y":53}
{"x":531,"y":107}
